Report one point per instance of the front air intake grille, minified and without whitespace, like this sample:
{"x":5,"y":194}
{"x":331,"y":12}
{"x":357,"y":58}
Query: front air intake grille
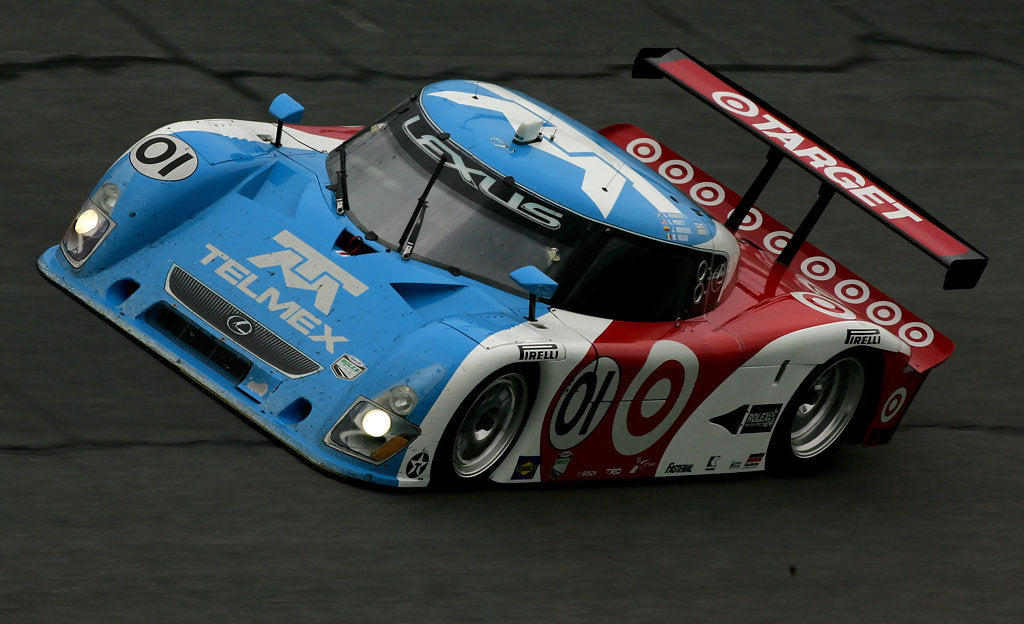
{"x":185,"y":334}
{"x":238,"y":326}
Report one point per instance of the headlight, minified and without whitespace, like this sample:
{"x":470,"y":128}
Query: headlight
{"x":91,"y":225}
{"x":375,"y":423}
{"x":371,"y":432}
{"x":401,"y":400}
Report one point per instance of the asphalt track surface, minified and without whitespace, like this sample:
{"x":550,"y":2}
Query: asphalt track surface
{"x":126,"y":494}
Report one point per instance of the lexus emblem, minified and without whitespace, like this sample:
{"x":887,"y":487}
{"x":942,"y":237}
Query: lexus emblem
{"x":239,"y":325}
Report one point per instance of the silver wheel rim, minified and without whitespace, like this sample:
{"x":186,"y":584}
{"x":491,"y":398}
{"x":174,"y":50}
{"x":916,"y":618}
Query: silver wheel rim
{"x":827,"y":407}
{"x":490,"y":426}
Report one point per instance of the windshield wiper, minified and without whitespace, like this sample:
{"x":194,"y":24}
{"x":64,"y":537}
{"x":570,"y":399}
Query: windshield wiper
{"x":412,"y":228}
{"x":341,"y":181}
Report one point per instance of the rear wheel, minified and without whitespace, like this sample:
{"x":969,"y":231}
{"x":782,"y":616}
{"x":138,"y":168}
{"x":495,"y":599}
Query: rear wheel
{"x":486,"y":426}
{"x":816,"y":420}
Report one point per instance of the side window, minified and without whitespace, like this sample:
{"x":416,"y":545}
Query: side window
{"x":637,"y":280}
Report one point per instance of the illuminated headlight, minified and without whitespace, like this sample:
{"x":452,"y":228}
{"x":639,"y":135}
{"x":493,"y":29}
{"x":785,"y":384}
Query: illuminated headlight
{"x":375,"y":423}
{"x":371,"y":432}
{"x":91,"y":225}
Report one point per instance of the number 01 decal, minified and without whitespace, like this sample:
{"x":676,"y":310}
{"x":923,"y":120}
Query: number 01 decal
{"x":655,"y":398}
{"x":647,"y":410}
{"x":584,"y":403}
{"x":164,"y":157}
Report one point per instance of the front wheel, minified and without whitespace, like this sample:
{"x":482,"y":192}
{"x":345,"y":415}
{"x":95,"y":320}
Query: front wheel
{"x":815,"y":421}
{"x":484,"y":429}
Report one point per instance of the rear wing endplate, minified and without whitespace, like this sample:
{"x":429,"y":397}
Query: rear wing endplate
{"x":836,"y":171}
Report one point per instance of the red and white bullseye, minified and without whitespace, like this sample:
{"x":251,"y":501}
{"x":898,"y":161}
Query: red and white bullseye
{"x":736,"y":103}
{"x":752,"y":221}
{"x":917,"y":334}
{"x":676,"y":171}
{"x":707,"y":193}
{"x":644,"y":149}
{"x":894,"y":404}
{"x":824,"y":305}
{"x":818,"y":268}
{"x":884,"y":313}
{"x":852,"y":291}
{"x":775,"y":242}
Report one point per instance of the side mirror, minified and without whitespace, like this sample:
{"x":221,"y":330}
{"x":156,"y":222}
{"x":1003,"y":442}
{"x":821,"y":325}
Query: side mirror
{"x":534,"y":281}
{"x":286,"y":110}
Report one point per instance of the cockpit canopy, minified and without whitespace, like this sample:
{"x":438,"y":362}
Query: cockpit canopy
{"x":646,"y":254}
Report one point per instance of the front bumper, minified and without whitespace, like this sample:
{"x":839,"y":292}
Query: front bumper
{"x":296,"y":412}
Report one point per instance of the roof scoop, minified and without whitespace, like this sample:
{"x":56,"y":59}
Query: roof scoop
{"x":528,"y":132}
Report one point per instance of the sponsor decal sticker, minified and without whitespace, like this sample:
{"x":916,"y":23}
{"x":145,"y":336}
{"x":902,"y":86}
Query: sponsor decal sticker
{"x":348,"y":367}
{"x":526,"y":467}
{"x":642,"y":464}
{"x":712,"y":463}
{"x":303,"y":268}
{"x":674,"y":468}
{"x":561,"y":464}
{"x":540,"y":351}
{"x":761,"y":418}
{"x":754,"y":460}
{"x":417,"y":465}
{"x":164,"y":157}
{"x":863,"y":336}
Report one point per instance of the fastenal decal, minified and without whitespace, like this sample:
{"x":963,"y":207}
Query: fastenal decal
{"x":674,"y":468}
{"x":542,"y":351}
{"x":348,"y":367}
{"x":863,"y":336}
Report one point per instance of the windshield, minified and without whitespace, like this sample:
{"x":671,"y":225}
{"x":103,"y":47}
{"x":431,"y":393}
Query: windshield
{"x":475,"y":223}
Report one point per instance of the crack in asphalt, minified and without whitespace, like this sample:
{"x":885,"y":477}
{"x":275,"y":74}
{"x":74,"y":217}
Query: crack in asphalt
{"x":70,"y":447}
{"x":1010,"y":429}
{"x":863,"y":45}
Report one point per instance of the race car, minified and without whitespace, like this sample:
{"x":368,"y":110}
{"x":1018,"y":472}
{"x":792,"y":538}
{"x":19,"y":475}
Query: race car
{"x":476,"y":287}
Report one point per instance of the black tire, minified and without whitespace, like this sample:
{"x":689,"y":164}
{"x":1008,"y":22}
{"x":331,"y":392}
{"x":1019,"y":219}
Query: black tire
{"x":816,"y":421}
{"x":485,"y":428}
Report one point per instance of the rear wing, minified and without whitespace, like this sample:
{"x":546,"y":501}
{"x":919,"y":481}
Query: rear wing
{"x":836,"y":171}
